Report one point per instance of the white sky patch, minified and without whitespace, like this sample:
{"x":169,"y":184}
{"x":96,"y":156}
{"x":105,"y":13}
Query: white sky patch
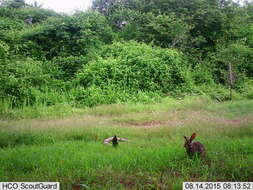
{"x":69,"y":6}
{"x":63,"y":6}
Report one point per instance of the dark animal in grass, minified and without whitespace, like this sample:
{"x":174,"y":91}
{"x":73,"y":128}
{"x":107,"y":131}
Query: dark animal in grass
{"x":115,"y":141}
{"x":194,"y":148}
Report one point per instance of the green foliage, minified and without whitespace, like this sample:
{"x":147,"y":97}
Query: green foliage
{"x":56,"y":65}
{"x":239,"y":56}
{"x":162,"y":30}
{"x":65,"y":36}
{"x":111,"y":94}
{"x":4,"y":50}
{"x":246,"y":88}
{"x":135,"y":66}
{"x":6,"y":12}
{"x":21,"y":79}
{"x":165,"y":30}
{"x":89,"y":58}
{"x":9,"y":29}
{"x":131,"y":71}
{"x":68,"y":66}
{"x":14,"y":3}
{"x":7,"y":24}
{"x":202,"y":75}
{"x":37,"y":14}
{"x":207,"y":20}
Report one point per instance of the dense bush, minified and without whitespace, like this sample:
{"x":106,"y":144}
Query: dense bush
{"x":7,"y":24}
{"x":131,"y":50}
{"x":165,"y":30}
{"x":22,"y":80}
{"x":9,"y":29}
{"x":4,"y":49}
{"x":37,"y":14}
{"x":68,"y":66}
{"x":135,"y":66}
{"x":239,"y":56}
{"x":66,"y":36}
{"x":97,"y":95}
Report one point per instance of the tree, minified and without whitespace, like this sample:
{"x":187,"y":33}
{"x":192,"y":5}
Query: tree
{"x":36,"y":4}
{"x":70,"y":35}
{"x":105,"y":6}
{"x":164,"y":30}
{"x":13,"y":3}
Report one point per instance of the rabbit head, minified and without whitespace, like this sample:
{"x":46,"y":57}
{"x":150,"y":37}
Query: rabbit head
{"x":188,"y":141}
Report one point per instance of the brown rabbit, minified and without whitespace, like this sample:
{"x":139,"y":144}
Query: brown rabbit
{"x":194,"y":148}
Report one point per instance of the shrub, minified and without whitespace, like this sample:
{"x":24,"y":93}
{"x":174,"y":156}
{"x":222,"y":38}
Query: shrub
{"x":131,"y":72}
{"x":240,"y":56}
{"x":9,"y":29}
{"x":20,"y":80}
{"x":68,"y":66}
{"x":132,"y":65}
{"x":163,"y":30}
{"x":37,"y":14}
{"x":246,"y":88}
{"x":4,"y":50}
{"x":97,"y":95}
{"x":70,"y":35}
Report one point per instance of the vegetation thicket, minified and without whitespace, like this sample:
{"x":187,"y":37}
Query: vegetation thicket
{"x":162,"y":65}
{"x":124,"y":51}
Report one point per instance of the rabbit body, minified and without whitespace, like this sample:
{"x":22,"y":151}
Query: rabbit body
{"x":194,"y":148}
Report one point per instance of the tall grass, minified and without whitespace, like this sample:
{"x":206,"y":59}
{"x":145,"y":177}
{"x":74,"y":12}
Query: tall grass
{"x":141,"y":163}
{"x":70,"y":149}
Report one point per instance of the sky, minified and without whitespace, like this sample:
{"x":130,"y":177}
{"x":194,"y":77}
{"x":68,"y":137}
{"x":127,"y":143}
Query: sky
{"x":66,"y":6}
{"x":63,"y":6}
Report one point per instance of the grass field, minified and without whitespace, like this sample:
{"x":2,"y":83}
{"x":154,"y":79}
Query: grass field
{"x":69,"y":148}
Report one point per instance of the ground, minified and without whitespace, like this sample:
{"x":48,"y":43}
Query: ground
{"x":69,"y":149}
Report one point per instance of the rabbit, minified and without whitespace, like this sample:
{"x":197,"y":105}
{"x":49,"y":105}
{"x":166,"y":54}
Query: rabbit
{"x":194,"y":148}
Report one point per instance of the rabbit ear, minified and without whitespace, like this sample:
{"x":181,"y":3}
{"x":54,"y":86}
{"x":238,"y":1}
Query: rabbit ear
{"x":186,"y":138}
{"x":193,"y":136}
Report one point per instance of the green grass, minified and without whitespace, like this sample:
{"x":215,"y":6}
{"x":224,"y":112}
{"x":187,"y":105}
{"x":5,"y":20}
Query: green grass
{"x":69,"y":149}
{"x":233,"y":109}
{"x":40,"y":110}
